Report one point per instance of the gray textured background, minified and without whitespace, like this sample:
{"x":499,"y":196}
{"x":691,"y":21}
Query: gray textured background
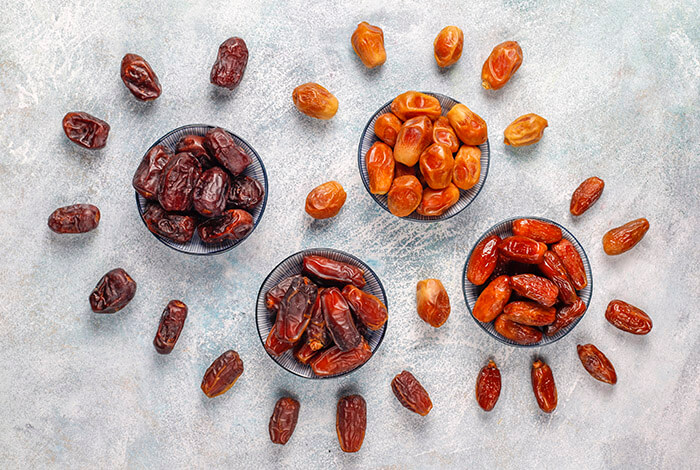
{"x":619,"y":83}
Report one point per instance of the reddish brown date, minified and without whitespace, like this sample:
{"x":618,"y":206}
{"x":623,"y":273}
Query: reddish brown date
{"x":211,"y":192}
{"x":522,"y":249}
{"x":538,"y":230}
{"x":339,"y":321}
{"x":380,"y":168}
{"x":411,"y":393}
{"x":586,"y":195}
{"x":488,"y":386}
{"x":492,"y":299}
{"x":283,"y":420}
{"x":222,"y":374}
{"x":369,"y":309}
{"x":572,"y":262}
{"x":333,"y":361}
{"x":176,"y":227}
{"x":180,"y":175}
{"x":224,"y":149}
{"x":114,"y":291}
{"x":274,"y":345}
{"x":368,"y":43}
{"x":387,"y":127}
{"x":625,"y":237}
{"x":304,"y":353}
{"x":294,"y":312}
{"x":326,"y":200}
{"x":432,"y":302}
{"x":171,"y":323}
{"x":146,"y":180}
{"x":521,"y":334}
{"x":482,"y":261}
{"x":86,"y":130}
{"x":444,"y":134}
{"x":541,"y":290}
{"x":274,"y":296}
{"x":628,"y":318}
{"x":566,"y":315}
{"x":317,"y":336}
{"x":231,"y":61}
{"x":553,"y":268}
{"x":596,"y":364}
{"x":233,"y":224}
{"x":529,"y":313}
{"x":502,"y":63}
{"x":543,"y":386}
{"x":139,"y":78}
{"x":246,"y":193}
{"x":330,"y":271}
{"x":351,"y":422}
{"x":78,"y":218}
{"x":194,"y":144}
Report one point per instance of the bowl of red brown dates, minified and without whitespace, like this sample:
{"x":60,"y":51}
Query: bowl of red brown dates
{"x":527,"y":282}
{"x":201,"y":189}
{"x":424,"y":156}
{"x":321,"y":313}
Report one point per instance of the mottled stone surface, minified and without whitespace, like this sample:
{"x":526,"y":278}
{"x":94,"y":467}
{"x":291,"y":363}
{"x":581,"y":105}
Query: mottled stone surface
{"x":619,"y":83}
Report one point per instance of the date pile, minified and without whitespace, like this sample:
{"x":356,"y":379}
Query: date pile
{"x":533,"y":278}
{"x":324,"y":317}
{"x":201,"y":188}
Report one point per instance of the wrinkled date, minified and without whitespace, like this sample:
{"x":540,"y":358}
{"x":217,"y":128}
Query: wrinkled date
{"x":146,"y":180}
{"x":78,"y":218}
{"x":543,"y":386}
{"x":368,"y":43}
{"x":274,"y":296}
{"x":538,"y":230}
{"x":86,"y":130}
{"x":596,"y":364}
{"x":526,"y":130}
{"x":566,"y":315}
{"x":541,"y":290}
{"x":139,"y":78}
{"x":444,"y":134}
{"x":483,"y":259}
{"x":492,"y":299}
{"x":222,"y":374}
{"x":437,"y":201}
{"x":171,"y":323}
{"x":114,"y":291}
{"x":586,"y":195}
{"x":304,"y":353}
{"x":448,"y":46}
{"x":326,"y":200}
{"x":387,"y":127}
{"x":180,"y":175}
{"x":469,"y":126}
{"x":333,"y":361}
{"x":315,"y":101}
{"x":333,"y":272}
{"x":624,"y":238}
{"x":502,"y":63}
{"x":402,"y":170}
{"x":283,"y":420}
{"x":369,"y":309}
{"x":211,"y":192}
{"x":521,"y":334}
{"x":246,"y":193}
{"x":413,"y":104}
{"x":294,"y":312}
{"x":380,"y":168}
{"x":467,"y":168}
{"x":432,"y":302}
{"x":233,"y":224}
{"x":628,"y":317}
{"x":405,"y":195}
{"x":231,"y":61}
{"x":553,"y":268}
{"x":436,"y":165}
{"x":194,"y":144}
{"x":411,"y":393}
{"x":415,"y":135}
{"x":176,"y":227}
{"x":488,"y":386}
{"x":529,"y":313}
{"x":274,"y":345}
{"x":224,"y":149}
{"x":317,"y":336}
{"x":572,"y":262}
{"x":522,"y":249}
{"x":351,"y":422}
{"x":339,"y":321}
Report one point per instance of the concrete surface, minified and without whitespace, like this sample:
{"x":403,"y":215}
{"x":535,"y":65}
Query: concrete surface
{"x":619,"y":83}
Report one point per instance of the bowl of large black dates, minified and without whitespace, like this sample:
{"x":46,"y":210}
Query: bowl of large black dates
{"x":527,"y":282}
{"x":321,"y":313}
{"x":201,"y":189}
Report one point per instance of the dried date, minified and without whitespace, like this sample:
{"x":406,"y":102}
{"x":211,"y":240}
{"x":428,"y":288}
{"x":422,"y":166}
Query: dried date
{"x":586,"y":195}
{"x":114,"y":291}
{"x":231,"y":61}
{"x":405,"y":195}
{"x":571,"y":259}
{"x":211,"y":192}
{"x":413,"y":104}
{"x":368,"y":43}
{"x":538,"y":230}
{"x":246,"y":193}
{"x":488,"y":386}
{"x":521,"y":334}
{"x":529,"y":313}
{"x":387,"y":127}
{"x":492,"y":299}
{"x":526,"y":130}
{"x":380,"y":168}
{"x":543,"y":386}
{"x":333,"y":361}
{"x":435,"y":202}
{"x":283,"y":420}
{"x":315,"y":101}
{"x":222,"y":374}
{"x":467,"y":167}
{"x":483,"y":259}
{"x":448,"y":46}
{"x":330,"y":271}
{"x":415,"y":135}
{"x":339,"y":321}
{"x":304,"y":353}
{"x":369,"y":309}
{"x":146,"y":180}
{"x":176,"y":227}
{"x":596,"y":364}
{"x":469,"y":126}
{"x":411,"y":394}
{"x":553,"y":268}
{"x":317,"y":335}
{"x":436,"y":165}
{"x":180,"y":175}
{"x":502,"y":63}
{"x":541,"y":290}
{"x":444,"y":134}
{"x":86,"y":130}
{"x":233,"y":224}
{"x":274,"y":296}
{"x":171,"y":323}
{"x":221,"y":145}
{"x":78,"y":218}
{"x":326,"y":200}
{"x":351,"y":422}
{"x":566,"y":315}
{"x":625,"y":237}
{"x":628,"y":318}
{"x":139,"y":78}
{"x":274,"y":345}
{"x":294,"y":312}
{"x":522,"y":249}
{"x":432,"y":302}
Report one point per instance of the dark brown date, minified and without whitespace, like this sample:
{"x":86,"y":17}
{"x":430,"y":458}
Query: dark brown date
{"x":317,"y":335}
{"x":294,"y":312}
{"x":566,"y":315}
{"x":171,"y":323}
{"x":369,"y":309}
{"x":274,"y":296}
{"x":553,"y":268}
{"x":194,"y":144}
{"x":274,"y":345}
{"x":233,"y":224}
{"x":283,"y":420}
{"x":86,"y":130}
{"x":333,"y":361}
{"x":211,"y":192}
{"x":488,"y":386}
{"x":231,"y":61}
{"x":351,"y":422}
{"x":339,"y":321}
{"x":411,"y":393}
{"x":139,"y":78}
{"x":78,"y":218}
{"x":114,"y":291}
{"x":596,"y":363}
{"x":224,"y":149}
{"x":222,"y":374}
{"x":146,"y":180}
{"x":176,"y":227}
{"x":177,"y":182}
{"x":543,"y":386}
{"x":245,"y":193}
{"x":333,"y":272}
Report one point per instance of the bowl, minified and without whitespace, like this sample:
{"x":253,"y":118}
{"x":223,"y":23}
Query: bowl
{"x":256,"y":170}
{"x":292,"y":265}
{"x":471,"y":291}
{"x":368,"y":138}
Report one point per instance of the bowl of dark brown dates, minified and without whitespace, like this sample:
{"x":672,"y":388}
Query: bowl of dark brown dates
{"x":424,"y":156}
{"x":527,"y":282}
{"x":201,"y":189}
{"x":321,"y":313}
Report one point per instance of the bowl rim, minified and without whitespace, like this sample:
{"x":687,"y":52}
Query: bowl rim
{"x":263,"y":203}
{"x":438,"y":218}
{"x":313,"y":251}
{"x":498,"y":337}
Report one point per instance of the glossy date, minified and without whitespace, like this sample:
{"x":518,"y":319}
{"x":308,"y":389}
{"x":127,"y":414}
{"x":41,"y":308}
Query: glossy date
{"x":139,"y":78}
{"x":368,"y":43}
{"x":333,"y":361}
{"x":339,"y":321}
{"x":369,"y":309}
{"x":541,"y":290}
{"x":233,"y":224}
{"x":405,"y":195}
{"x":596,"y":363}
{"x":294,"y":312}
{"x":78,"y":218}
{"x":315,"y":101}
{"x":211,"y":192}
{"x":432,"y":302}
{"x":571,"y":259}
{"x":521,"y":334}
{"x":628,"y":318}
{"x":586,"y":195}
{"x":411,"y":394}
{"x":114,"y":291}
{"x":220,"y":145}
{"x":387,"y":127}
{"x":522,"y":249}
{"x":553,"y":268}
{"x":380,"y":168}
{"x":177,"y":182}
{"x":246,"y":193}
{"x":492,"y":299}
{"x":529,"y":313}
{"x":502,"y":63}
{"x":538,"y":230}
{"x":86,"y":130}
{"x":483,"y":259}
{"x":231,"y":61}
{"x":222,"y":374}
{"x":171,"y":323}
{"x":146,"y":180}
{"x":543,"y":386}
{"x":488,"y":386}
{"x":283,"y":420}
{"x":625,"y":237}
{"x":176,"y":227}
{"x":326,"y":200}
{"x":334,"y":272}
